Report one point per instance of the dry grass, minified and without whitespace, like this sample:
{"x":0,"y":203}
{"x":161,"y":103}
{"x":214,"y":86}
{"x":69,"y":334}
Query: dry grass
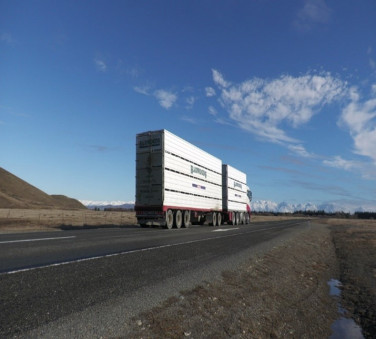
{"x":257,"y":218}
{"x":355,"y":242}
{"x":349,"y":222}
{"x":42,"y":219}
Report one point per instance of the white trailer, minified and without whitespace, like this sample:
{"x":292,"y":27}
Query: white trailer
{"x":236,"y":196}
{"x":178,"y":184}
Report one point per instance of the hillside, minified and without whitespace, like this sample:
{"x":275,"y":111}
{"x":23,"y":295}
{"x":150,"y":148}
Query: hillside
{"x":17,"y":193}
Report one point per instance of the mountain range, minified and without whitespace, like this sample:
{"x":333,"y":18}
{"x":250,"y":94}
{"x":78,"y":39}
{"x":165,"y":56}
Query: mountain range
{"x":256,"y":206}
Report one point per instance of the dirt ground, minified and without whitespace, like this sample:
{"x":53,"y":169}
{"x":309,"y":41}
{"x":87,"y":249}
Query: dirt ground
{"x":355,"y":244}
{"x":21,"y":220}
{"x":282,"y":294}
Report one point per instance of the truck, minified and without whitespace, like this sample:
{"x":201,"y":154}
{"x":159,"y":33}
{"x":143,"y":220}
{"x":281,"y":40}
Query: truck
{"x":179,"y":184}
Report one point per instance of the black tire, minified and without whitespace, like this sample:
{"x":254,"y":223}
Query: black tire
{"x":144,"y":225}
{"x":169,"y":219}
{"x":178,"y":219}
{"x":242,"y":220}
{"x":233,"y":219}
{"x":219,"y":219}
{"x":187,"y":219}
{"x":214,"y":219}
{"x":237,"y":219}
{"x":247,"y":218}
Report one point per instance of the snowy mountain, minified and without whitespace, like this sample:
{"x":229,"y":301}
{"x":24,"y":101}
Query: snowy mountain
{"x":257,"y":206}
{"x":283,"y":207}
{"x":107,"y":204}
{"x":329,"y":207}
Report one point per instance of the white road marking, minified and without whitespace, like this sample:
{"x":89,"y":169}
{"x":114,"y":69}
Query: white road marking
{"x":225,"y":229}
{"x":139,"y":250}
{"x":40,"y":239}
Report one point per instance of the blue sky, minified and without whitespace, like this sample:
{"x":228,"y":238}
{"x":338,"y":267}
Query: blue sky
{"x":284,"y":91}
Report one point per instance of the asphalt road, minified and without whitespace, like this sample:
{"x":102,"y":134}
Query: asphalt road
{"x":91,"y":282}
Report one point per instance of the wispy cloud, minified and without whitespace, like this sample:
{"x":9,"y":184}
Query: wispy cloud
{"x":100,"y":65}
{"x":359,"y":117}
{"x":314,"y":12}
{"x":165,"y":98}
{"x":300,"y":150}
{"x":263,"y":106}
{"x":190,"y":101}
{"x":189,"y":119}
{"x":145,"y":90}
{"x":210,"y":91}
{"x":339,"y":162}
{"x":332,"y":189}
{"x":212,"y":111}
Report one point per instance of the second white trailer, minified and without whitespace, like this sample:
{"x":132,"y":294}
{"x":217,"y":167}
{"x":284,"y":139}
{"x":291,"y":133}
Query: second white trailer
{"x":236,"y":196}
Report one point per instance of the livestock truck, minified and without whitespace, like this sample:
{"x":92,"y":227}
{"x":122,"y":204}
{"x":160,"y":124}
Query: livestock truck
{"x":179,"y":184}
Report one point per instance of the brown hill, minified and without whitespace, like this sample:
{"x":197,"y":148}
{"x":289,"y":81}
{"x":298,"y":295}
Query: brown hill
{"x":17,"y":193}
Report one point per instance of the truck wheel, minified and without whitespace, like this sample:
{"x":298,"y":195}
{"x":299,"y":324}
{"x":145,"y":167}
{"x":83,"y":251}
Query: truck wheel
{"x":247,"y":218}
{"x":214,"y":219}
{"x":242,"y":221}
{"x":233,"y":218}
{"x":237,"y":219}
{"x":219,"y":219}
{"x":187,"y":219}
{"x":178,"y":219}
{"x":169,"y":219}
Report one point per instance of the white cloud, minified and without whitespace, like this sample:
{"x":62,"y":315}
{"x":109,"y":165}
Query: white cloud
{"x":100,"y":65}
{"x":339,"y":162}
{"x":212,"y":111}
{"x":313,"y":12}
{"x":166,"y":99}
{"x":190,"y":101}
{"x":142,"y":90}
{"x":210,"y":91}
{"x":262,"y":106}
{"x":360,"y":119}
{"x":219,"y":80}
{"x":300,"y":150}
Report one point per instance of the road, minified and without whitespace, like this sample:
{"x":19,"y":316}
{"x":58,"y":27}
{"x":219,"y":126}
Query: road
{"x":93,"y":281}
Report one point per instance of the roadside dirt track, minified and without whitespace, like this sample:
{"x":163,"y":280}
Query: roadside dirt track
{"x":355,"y":243}
{"x":281,"y":294}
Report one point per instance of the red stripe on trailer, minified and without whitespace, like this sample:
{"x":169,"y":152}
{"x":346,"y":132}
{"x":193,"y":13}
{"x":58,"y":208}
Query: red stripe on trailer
{"x":165,"y":208}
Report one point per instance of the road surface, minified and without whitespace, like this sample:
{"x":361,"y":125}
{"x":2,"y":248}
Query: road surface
{"x":91,"y":282}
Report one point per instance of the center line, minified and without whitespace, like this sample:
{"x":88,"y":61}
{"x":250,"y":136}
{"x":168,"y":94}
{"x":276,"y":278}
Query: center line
{"x":40,"y":239}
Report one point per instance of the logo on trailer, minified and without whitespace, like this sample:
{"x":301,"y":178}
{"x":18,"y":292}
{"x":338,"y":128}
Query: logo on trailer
{"x":198,"y":171}
{"x":199,"y":186}
{"x":237,"y":184}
